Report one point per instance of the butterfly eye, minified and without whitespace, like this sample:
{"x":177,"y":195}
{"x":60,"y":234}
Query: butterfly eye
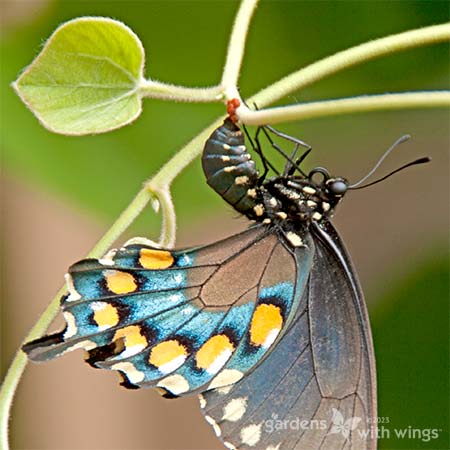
{"x":338,"y":186}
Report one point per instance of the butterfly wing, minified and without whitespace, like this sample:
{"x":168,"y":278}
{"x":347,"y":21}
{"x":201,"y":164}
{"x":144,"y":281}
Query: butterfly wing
{"x":322,"y":369}
{"x":181,"y":320}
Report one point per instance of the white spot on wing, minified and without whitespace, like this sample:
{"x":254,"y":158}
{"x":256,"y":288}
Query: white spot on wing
{"x":219,"y":362}
{"x":176,"y":384}
{"x":172,"y":365}
{"x":213,"y":423}
{"x":134,"y":375}
{"x":71,"y":329}
{"x":133,"y":350}
{"x":251,"y":435}
{"x":107,"y":260}
{"x":225,"y":378}
{"x":316,"y":216}
{"x":235,"y":409}
{"x":224,"y":390}
{"x":270,"y":339}
{"x":229,"y":168}
{"x":229,"y":445}
{"x":73,"y":294}
{"x":202,"y":400}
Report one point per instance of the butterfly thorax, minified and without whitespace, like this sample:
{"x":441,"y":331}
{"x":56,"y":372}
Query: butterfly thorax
{"x":297,"y":199}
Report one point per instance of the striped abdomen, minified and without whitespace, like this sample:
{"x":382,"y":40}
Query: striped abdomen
{"x":229,"y":169}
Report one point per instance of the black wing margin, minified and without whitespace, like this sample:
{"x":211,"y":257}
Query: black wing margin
{"x":317,"y":389}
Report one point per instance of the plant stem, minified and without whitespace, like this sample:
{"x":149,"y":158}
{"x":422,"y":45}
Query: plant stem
{"x":236,"y":47}
{"x":350,"y":57}
{"x":19,"y":362}
{"x":306,"y":111}
{"x":157,"y":89}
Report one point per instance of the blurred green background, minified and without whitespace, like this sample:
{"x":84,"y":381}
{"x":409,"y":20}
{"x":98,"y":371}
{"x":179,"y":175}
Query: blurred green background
{"x":61,"y":193}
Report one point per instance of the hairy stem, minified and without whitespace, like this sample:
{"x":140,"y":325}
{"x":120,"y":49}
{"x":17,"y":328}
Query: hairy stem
{"x":236,"y":48}
{"x":366,"y":103}
{"x":348,"y":58}
{"x":156,"y":89}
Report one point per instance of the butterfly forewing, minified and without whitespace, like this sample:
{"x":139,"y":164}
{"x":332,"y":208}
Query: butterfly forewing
{"x":322,"y":369}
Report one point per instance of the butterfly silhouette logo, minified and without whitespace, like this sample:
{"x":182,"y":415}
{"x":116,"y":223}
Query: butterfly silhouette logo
{"x":342,"y":426}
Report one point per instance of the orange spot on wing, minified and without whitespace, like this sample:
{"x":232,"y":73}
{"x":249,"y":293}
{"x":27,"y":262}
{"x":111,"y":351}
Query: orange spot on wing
{"x":266,"y":318}
{"x":166,"y":351}
{"x":106,"y":316}
{"x":211,"y":349}
{"x":155,"y":259}
{"x":120,"y":282}
{"x":132,"y":336}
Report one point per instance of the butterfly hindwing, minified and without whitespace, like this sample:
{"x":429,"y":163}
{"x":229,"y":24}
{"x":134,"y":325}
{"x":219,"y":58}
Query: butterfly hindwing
{"x":316,"y":391}
{"x":186,"y":320}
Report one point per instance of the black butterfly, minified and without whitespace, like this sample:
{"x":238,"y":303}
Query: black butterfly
{"x":269,"y":326}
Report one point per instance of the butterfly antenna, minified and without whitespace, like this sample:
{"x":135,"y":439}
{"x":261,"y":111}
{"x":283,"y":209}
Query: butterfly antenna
{"x":423,"y":160}
{"x":383,"y":157}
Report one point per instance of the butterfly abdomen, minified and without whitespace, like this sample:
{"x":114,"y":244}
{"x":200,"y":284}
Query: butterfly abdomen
{"x":229,"y":169}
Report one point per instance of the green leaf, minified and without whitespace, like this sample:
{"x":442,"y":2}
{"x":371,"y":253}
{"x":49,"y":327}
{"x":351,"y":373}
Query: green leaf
{"x":85,"y":78}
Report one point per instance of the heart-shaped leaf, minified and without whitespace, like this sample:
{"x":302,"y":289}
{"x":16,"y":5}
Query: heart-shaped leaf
{"x":85,"y":80}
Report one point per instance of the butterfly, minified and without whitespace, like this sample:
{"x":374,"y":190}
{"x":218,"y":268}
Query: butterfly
{"x":269,"y":326}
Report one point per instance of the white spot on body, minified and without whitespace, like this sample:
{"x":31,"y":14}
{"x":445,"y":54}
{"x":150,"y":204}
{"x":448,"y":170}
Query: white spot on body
{"x":71,"y":329}
{"x":308,"y":190}
{"x":176,"y":384}
{"x":134,"y":375}
{"x":73,"y":294}
{"x":259,"y":210}
{"x":294,"y":239}
{"x":225,"y":378}
{"x":251,"y":193}
{"x":251,"y":434}
{"x":241,"y":180}
{"x":213,"y":423}
{"x":235,"y":409}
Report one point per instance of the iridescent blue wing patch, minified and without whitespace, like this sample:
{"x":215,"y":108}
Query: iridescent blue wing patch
{"x":317,"y":390}
{"x":187,"y":320}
